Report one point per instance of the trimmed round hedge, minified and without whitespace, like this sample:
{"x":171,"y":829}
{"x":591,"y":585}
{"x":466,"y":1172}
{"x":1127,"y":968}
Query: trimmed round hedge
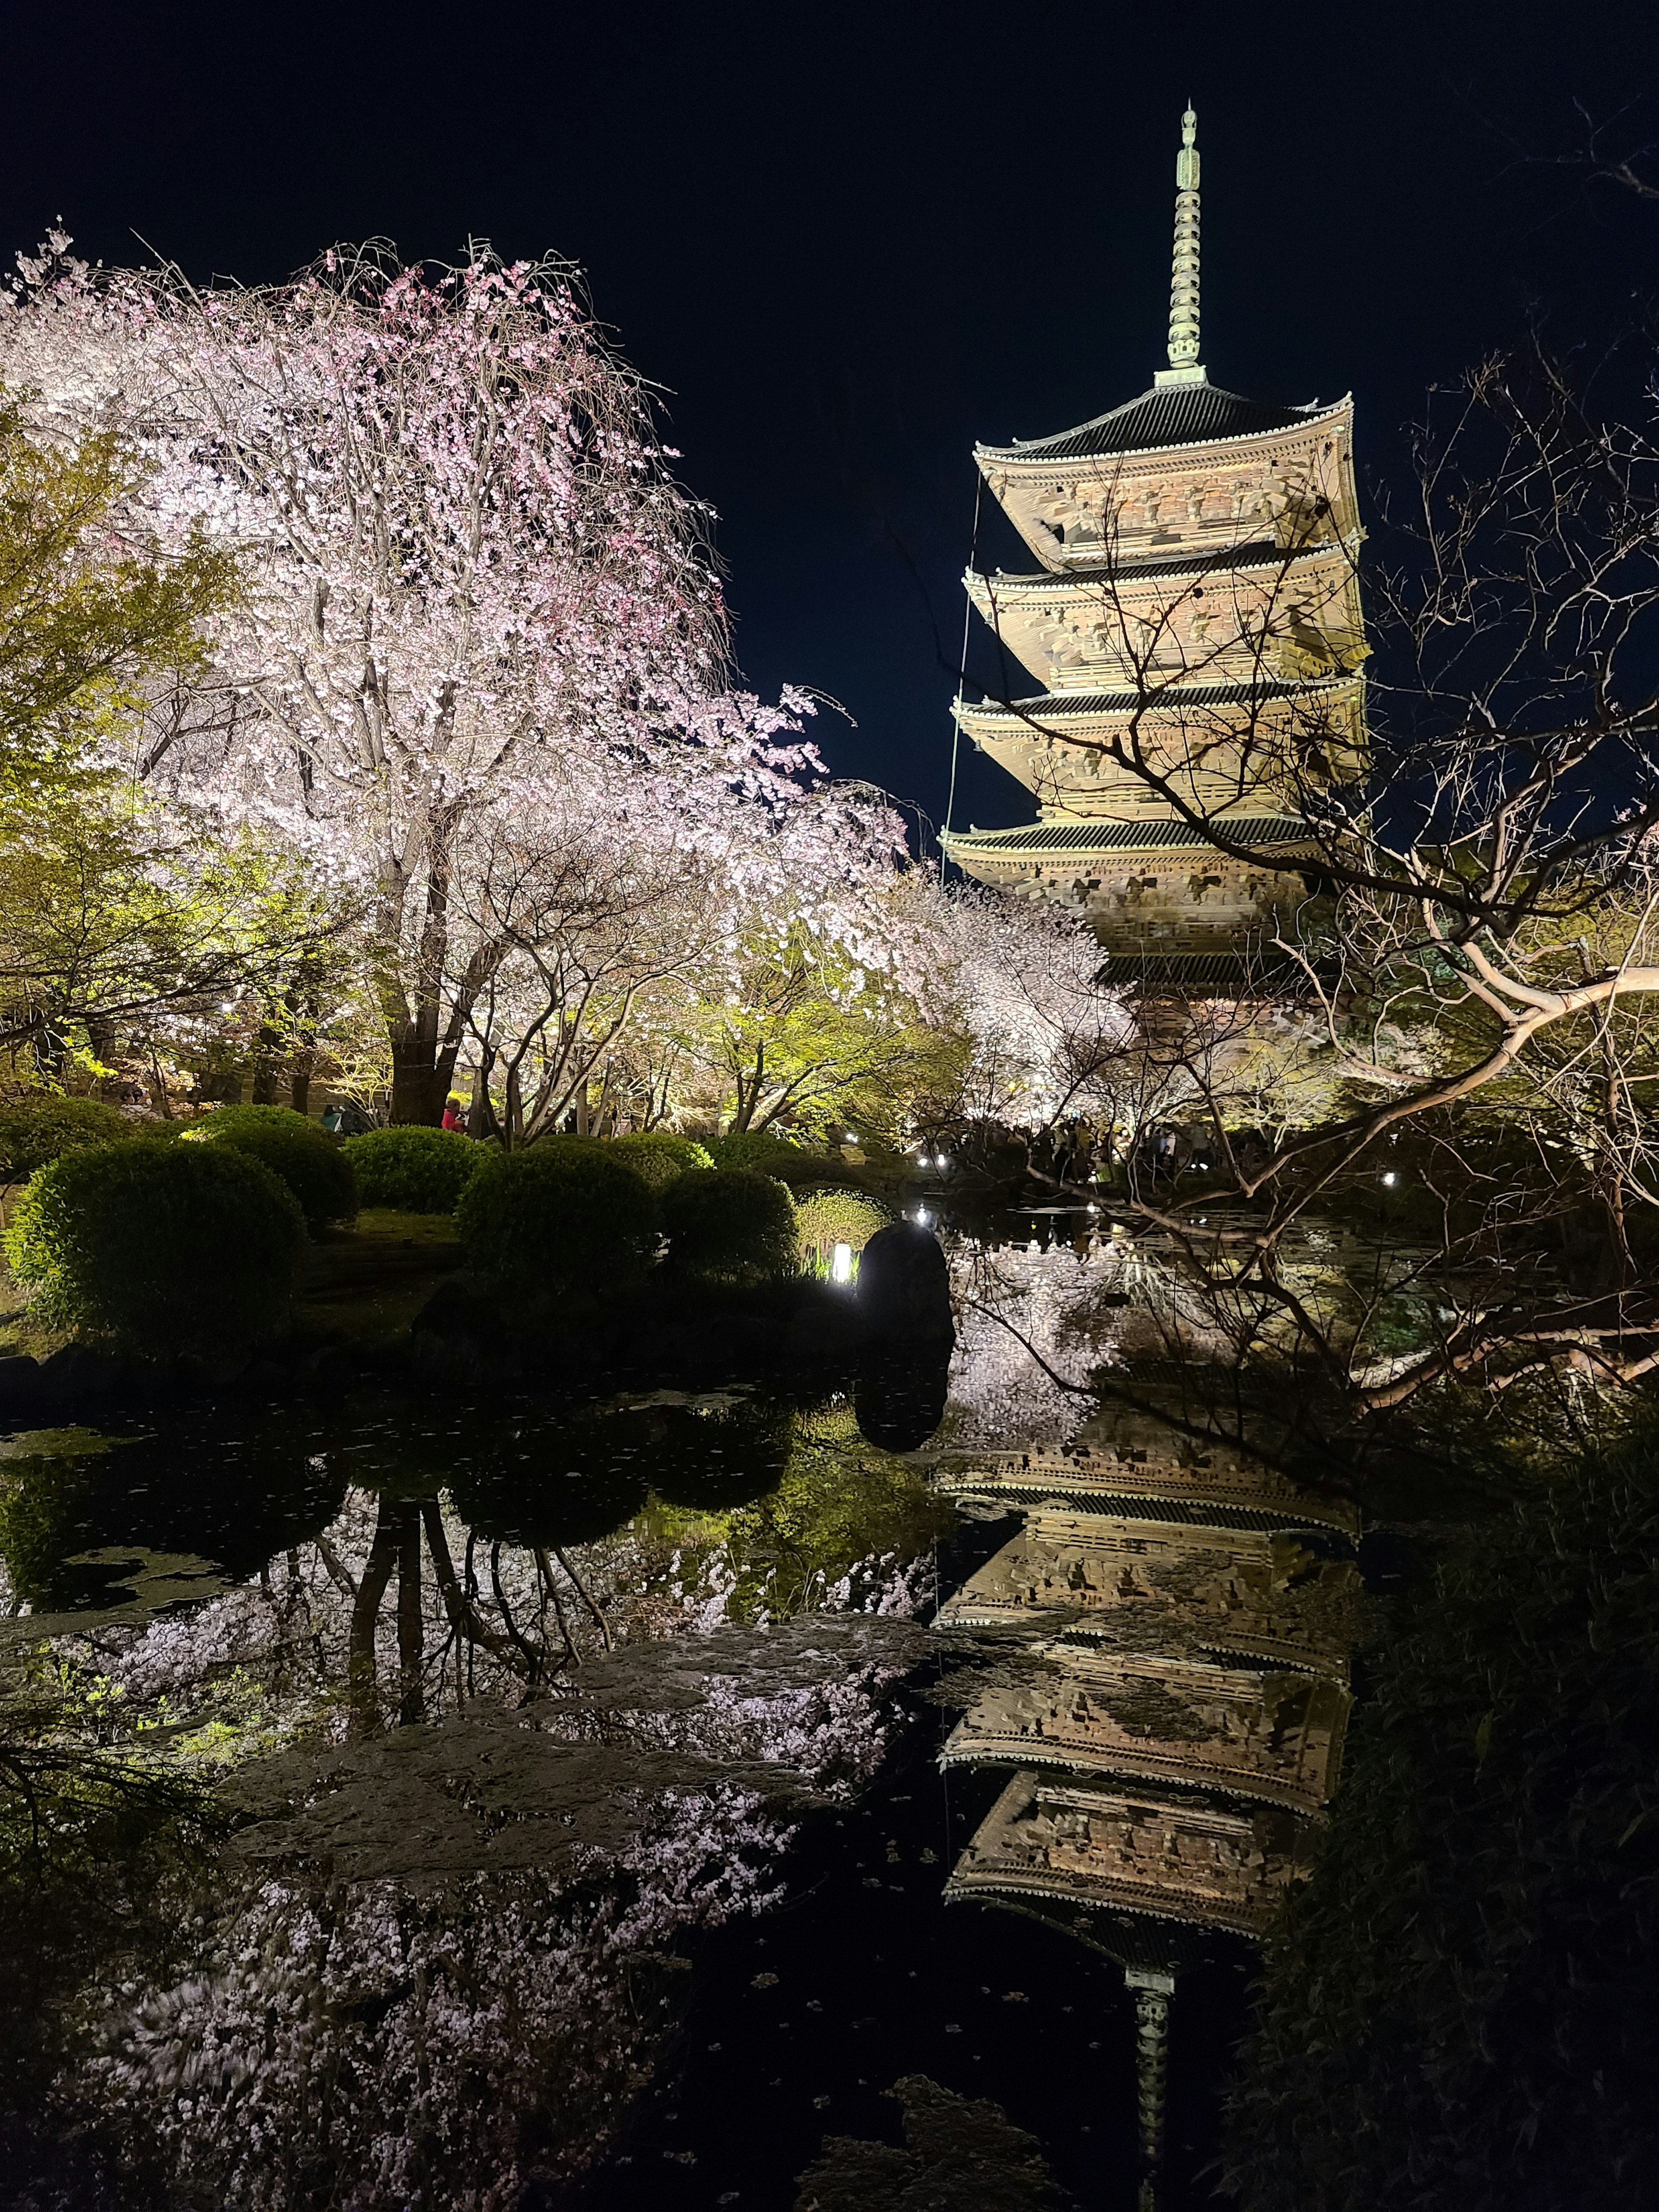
{"x":168,"y":1247}
{"x":315,"y":1170}
{"x":35,"y":1130}
{"x":824,"y":1218}
{"x":416,"y":1169}
{"x":660,"y":1156}
{"x":729,"y":1225}
{"x":565,"y":1217}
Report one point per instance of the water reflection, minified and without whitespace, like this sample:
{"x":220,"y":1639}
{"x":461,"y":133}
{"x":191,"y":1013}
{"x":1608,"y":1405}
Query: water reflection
{"x":1175,"y":1619}
{"x":497,"y":1703}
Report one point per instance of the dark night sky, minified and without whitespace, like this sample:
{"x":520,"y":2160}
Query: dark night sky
{"x":850,"y":239}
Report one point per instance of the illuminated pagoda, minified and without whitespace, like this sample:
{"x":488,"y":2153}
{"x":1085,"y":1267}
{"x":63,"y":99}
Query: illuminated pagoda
{"x":1194,"y":624}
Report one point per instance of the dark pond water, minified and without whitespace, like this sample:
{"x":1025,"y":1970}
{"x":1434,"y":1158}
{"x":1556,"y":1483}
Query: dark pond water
{"x":473,"y":1802}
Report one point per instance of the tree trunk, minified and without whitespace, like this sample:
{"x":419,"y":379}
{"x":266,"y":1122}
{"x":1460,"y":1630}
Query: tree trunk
{"x":267,"y":1065}
{"x":411,"y":1629}
{"x":363,"y":1687}
{"x":421,"y":1074}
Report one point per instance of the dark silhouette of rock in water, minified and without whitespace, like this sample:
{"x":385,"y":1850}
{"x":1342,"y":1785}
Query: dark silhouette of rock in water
{"x":899,"y":1398}
{"x":961,"y":2154}
{"x":904,"y":1286}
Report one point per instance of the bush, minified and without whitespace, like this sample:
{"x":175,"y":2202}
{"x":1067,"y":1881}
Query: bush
{"x":824,"y":1218}
{"x":728,"y":1225}
{"x":566,"y":1216}
{"x":316,"y":1171}
{"x":776,"y":1156}
{"x":35,"y":1130}
{"x":168,"y":1247}
{"x":411,"y":1167}
{"x":660,"y":1156}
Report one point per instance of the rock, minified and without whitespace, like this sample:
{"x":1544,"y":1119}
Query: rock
{"x":904,"y":1286}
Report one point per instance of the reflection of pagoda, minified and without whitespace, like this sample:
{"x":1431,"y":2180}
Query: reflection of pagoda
{"x":1173,"y":1727}
{"x":1195,"y":626}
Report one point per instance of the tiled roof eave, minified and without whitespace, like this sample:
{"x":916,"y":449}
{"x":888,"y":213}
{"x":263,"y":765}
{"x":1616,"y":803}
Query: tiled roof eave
{"x":1038,"y":452}
{"x":1274,"y":832}
{"x":1242,"y":560}
{"x":1019,"y":713}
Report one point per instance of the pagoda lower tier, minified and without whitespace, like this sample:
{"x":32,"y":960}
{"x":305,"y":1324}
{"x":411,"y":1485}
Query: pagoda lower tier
{"x":1193,"y":1859}
{"x":1164,"y":902}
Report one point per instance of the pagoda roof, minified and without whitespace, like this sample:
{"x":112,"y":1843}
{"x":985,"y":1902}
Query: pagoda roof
{"x":1079,"y":705}
{"x":1255,"y":553}
{"x":1107,"y":837}
{"x":1169,"y":415}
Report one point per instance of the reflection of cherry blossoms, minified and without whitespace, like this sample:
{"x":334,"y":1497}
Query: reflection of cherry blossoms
{"x":436,"y":1966}
{"x":1029,"y":1322}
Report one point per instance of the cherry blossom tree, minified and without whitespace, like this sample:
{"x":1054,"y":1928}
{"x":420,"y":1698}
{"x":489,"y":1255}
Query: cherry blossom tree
{"x":474,"y":591}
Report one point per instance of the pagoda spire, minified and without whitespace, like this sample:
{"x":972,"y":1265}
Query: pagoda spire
{"x":1184,"y":367}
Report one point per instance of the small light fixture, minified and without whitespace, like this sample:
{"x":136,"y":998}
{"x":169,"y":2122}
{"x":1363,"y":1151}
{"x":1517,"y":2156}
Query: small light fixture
{"x":847,"y":1138}
{"x":1390,"y":1177}
{"x":921,"y":1215}
{"x":840,"y":1264}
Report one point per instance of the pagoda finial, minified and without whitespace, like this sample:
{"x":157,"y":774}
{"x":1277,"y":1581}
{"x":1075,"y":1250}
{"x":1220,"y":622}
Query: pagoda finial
{"x":1184,"y":367}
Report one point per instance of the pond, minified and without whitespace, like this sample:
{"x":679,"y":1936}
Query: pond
{"x":483,"y":1800}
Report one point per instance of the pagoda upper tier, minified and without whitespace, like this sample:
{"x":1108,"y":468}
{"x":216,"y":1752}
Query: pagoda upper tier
{"x":1185,"y":469}
{"x":1194,"y":624}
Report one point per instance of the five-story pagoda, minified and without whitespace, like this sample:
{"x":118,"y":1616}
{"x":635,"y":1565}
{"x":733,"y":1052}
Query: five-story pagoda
{"x":1195,"y":626}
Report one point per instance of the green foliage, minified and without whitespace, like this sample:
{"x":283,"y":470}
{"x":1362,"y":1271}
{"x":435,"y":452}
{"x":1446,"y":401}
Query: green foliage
{"x":37,"y":1128}
{"x":776,"y":1156}
{"x":812,"y":1037}
{"x":79,"y":622}
{"x":824,"y":1218}
{"x":729,"y":1225}
{"x":660,"y":1156}
{"x":167,"y":1246}
{"x":1456,"y":2009}
{"x":316,"y":1171}
{"x":412,"y":1167}
{"x":565,"y":1218}
{"x":840,"y":1502}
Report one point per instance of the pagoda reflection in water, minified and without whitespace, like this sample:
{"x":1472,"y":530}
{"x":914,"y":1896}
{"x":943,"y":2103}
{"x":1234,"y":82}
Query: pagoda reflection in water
{"x":1174,"y":1730}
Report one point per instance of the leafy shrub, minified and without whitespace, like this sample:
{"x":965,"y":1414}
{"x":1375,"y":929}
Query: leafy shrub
{"x":411,"y":1167}
{"x":660,"y":1156}
{"x":315,"y":1170}
{"x":776,"y":1156}
{"x":169,"y":1246}
{"x":729,"y":1224}
{"x":824,"y":1218}
{"x":565,"y":1216}
{"x":37,"y":1129}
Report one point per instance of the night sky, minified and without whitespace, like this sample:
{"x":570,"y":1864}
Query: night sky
{"x":848,"y":241}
